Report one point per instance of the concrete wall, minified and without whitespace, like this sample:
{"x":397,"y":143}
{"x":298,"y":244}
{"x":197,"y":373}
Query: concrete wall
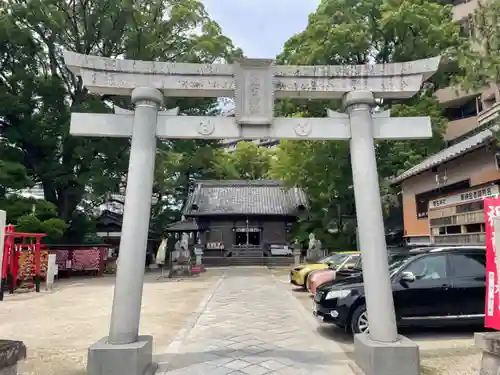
{"x":457,"y":128}
{"x":463,"y":10}
{"x":478,"y":166}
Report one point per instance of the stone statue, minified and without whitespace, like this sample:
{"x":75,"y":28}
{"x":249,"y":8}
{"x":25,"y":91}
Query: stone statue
{"x":312,"y":241}
{"x":296,"y":251}
{"x":181,"y":257}
{"x":184,"y":241}
{"x":318,"y":245}
{"x":177,"y":251}
{"x":314,"y":248}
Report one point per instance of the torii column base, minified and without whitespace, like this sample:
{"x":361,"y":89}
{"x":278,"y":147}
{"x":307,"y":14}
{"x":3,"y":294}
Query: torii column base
{"x":387,"y":358}
{"x":123,"y":359}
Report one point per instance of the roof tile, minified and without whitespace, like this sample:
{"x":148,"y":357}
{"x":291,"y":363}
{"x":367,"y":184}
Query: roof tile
{"x":447,"y":154}
{"x":261,"y":197}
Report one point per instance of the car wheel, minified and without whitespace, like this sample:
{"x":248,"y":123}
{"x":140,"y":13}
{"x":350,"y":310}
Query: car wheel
{"x":359,"y":320}
{"x":306,"y":277}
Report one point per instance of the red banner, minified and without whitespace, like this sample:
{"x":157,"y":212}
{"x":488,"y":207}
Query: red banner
{"x":492,"y":309}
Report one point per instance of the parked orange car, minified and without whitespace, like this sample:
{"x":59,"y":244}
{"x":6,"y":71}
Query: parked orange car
{"x":320,"y":277}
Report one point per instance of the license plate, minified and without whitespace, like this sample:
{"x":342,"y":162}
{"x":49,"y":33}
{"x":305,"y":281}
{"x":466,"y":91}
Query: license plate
{"x":315,"y":308}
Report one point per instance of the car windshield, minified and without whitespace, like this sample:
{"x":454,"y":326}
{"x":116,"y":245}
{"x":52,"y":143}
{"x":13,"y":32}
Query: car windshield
{"x":395,"y":262}
{"x":349,"y":262}
{"x":342,"y":262}
{"x":336,"y":258}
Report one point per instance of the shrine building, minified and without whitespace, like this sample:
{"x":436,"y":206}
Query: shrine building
{"x":241,"y":218}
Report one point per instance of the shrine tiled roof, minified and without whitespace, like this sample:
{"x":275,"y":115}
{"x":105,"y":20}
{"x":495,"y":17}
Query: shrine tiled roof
{"x":190,"y":225}
{"x":452,"y":152}
{"x":238,"y":197}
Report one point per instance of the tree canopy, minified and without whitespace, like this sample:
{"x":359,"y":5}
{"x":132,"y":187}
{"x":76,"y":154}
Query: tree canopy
{"x":38,"y":93}
{"x":247,"y":161}
{"x":353,"y":32}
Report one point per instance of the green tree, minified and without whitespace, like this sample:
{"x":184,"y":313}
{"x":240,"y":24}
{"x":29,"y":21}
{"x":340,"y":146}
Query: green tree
{"x":38,"y":93}
{"x":353,"y":32}
{"x":31,"y":215}
{"x":322,"y":169}
{"x":247,"y":161}
{"x":12,"y":176}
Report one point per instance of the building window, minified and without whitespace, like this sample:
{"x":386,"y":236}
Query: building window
{"x":479,"y":103}
{"x":467,"y":27}
{"x":464,"y":110}
{"x":474,"y":228}
{"x":422,"y":199}
{"x":241,"y":239}
{"x":254,"y":238}
{"x":469,"y":207}
{"x":422,"y":206}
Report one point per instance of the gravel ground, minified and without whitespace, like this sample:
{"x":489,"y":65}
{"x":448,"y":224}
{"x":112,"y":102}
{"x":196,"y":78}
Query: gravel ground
{"x":448,"y":351}
{"x":57,"y":327}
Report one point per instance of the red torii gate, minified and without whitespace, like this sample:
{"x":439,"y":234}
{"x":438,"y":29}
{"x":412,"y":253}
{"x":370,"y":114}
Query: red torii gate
{"x":15,"y":243}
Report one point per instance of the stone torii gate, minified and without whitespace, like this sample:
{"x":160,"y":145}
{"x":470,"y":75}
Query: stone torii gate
{"x":255,"y":84}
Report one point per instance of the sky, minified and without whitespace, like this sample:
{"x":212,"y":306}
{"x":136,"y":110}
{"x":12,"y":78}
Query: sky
{"x":260,"y":27}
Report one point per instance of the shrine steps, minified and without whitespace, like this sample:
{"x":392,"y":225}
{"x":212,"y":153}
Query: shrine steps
{"x":247,"y":261}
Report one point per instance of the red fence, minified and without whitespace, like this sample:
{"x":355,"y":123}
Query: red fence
{"x":77,"y":260}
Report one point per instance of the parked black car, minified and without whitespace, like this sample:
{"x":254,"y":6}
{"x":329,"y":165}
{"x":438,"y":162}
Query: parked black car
{"x":435,"y":287}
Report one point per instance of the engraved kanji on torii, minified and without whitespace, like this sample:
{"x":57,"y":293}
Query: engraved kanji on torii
{"x":255,"y":84}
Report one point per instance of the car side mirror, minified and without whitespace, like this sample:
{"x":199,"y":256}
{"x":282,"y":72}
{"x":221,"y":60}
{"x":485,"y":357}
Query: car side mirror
{"x":408,"y":277}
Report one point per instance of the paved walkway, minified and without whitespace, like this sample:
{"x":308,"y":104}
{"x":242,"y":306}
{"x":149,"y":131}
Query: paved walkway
{"x":251,"y":324}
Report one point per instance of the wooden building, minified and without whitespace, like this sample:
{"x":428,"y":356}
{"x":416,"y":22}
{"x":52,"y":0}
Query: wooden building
{"x":443,"y":195}
{"x":109,"y":229}
{"x":243,"y":218}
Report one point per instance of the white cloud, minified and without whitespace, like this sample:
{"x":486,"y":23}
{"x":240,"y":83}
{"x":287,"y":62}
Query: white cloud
{"x":261,"y":27}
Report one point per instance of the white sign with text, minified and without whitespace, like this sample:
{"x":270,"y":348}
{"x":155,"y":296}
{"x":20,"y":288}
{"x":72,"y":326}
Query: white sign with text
{"x":464,"y":197}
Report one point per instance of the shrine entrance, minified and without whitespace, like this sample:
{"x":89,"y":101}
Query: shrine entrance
{"x":255,"y":84}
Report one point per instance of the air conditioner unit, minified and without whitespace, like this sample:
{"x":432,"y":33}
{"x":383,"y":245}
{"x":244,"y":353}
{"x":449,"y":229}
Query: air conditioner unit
{"x":441,"y":178}
{"x":497,"y":160}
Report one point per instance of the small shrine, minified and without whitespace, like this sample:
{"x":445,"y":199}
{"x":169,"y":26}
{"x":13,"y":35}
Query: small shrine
{"x":240,"y":219}
{"x":185,"y":255}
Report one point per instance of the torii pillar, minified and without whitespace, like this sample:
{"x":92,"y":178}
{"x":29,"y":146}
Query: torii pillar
{"x":255,"y":84}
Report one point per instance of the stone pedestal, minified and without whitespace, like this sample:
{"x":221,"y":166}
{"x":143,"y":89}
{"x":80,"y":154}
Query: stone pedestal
{"x":198,"y":252}
{"x":386,"y":358}
{"x":296,"y":256}
{"x":489,"y":343}
{"x":135,"y":358}
{"x":11,"y":352}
